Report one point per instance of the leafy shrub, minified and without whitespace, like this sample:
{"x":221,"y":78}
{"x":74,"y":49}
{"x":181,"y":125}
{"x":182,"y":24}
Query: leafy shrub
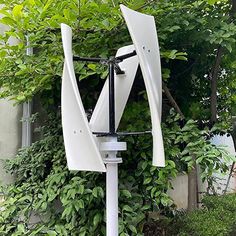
{"x":217,"y":218}
{"x":227,"y":202}
{"x":72,"y":203}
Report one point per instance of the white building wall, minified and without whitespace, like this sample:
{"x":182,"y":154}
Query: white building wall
{"x":10,"y":129}
{"x":10,"y":135}
{"x":226,"y":142}
{"x":179,"y":193}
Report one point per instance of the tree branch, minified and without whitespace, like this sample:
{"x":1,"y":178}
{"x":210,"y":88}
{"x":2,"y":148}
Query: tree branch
{"x":233,"y":9}
{"x":172,"y":100}
{"x":215,"y":71}
{"x":214,"y":77}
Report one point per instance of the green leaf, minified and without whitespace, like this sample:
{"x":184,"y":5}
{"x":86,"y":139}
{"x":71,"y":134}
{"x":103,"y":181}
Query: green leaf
{"x":47,"y":5}
{"x":17,"y":11}
{"x":126,"y":193}
{"x":95,"y":192}
{"x":212,"y":2}
{"x":132,"y":228}
{"x":171,"y":163}
{"x":36,"y":231}
{"x":31,"y":2}
{"x":144,"y":165}
{"x":51,"y":233}
{"x":229,"y":47}
{"x":67,"y":211}
{"x":8,"y":21}
{"x":97,"y":218}
{"x":21,"y":228}
{"x":127,"y":208}
{"x":92,"y":67}
{"x":81,"y":189}
{"x":145,"y":207}
{"x":80,"y":203}
{"x":147,"y":180}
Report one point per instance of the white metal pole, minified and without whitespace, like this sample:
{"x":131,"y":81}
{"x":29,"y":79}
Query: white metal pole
{"x":112,"y":196}
{"x":111,"y":146}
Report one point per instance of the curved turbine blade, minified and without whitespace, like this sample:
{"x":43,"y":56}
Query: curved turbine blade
{"x":144,"y":36}
{"x":81,"y":149}
{"x":99,"y":121}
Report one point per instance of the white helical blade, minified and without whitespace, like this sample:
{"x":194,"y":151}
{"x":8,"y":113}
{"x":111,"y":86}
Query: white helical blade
{"x":123,"y":83}
{"x":81,"y":150}
{"x":144,"y":36}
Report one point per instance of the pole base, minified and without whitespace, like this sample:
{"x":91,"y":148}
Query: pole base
{"x":112,"y":160}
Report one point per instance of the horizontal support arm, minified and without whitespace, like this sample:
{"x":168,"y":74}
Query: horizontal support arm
{"x":114,"y":60}
{"x":87,"y":59}
{"x":125,"y":56}
{"x":104,"y":134}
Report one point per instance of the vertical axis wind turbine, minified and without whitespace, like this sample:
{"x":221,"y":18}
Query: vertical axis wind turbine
{"x":93,"y":146}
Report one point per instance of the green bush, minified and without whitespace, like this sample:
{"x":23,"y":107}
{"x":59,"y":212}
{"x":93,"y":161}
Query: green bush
{"x":187,"y":42}
{"x":227,"y":202}
{"x":68,"y":203}
{"x":217,"y":218}
{"x":73,"y":203}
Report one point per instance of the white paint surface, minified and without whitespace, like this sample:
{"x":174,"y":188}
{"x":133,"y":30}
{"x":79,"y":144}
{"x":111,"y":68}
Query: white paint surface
{"x":81,"y":150}
{"x":144,"y":36}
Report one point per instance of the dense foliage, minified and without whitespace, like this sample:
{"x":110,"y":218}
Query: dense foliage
{"x":190,"y":32}
{"x":46,"y":198}
{"x":217,"y":218}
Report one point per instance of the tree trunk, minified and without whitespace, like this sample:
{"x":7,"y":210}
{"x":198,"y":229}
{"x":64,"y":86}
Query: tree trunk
{"x":192,"y":189}
{"x":214,"y":77}
{"x":233,"y":9}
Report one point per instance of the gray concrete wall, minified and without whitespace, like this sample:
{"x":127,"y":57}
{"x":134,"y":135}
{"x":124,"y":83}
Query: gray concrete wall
{"x":179,"y":193}
{"x":10,"y":128}
{"x":221,"y":180}
{"x":10,"y":135}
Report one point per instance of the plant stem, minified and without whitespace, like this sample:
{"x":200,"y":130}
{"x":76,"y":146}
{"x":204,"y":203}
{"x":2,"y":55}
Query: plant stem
{"x":172,"y":100}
